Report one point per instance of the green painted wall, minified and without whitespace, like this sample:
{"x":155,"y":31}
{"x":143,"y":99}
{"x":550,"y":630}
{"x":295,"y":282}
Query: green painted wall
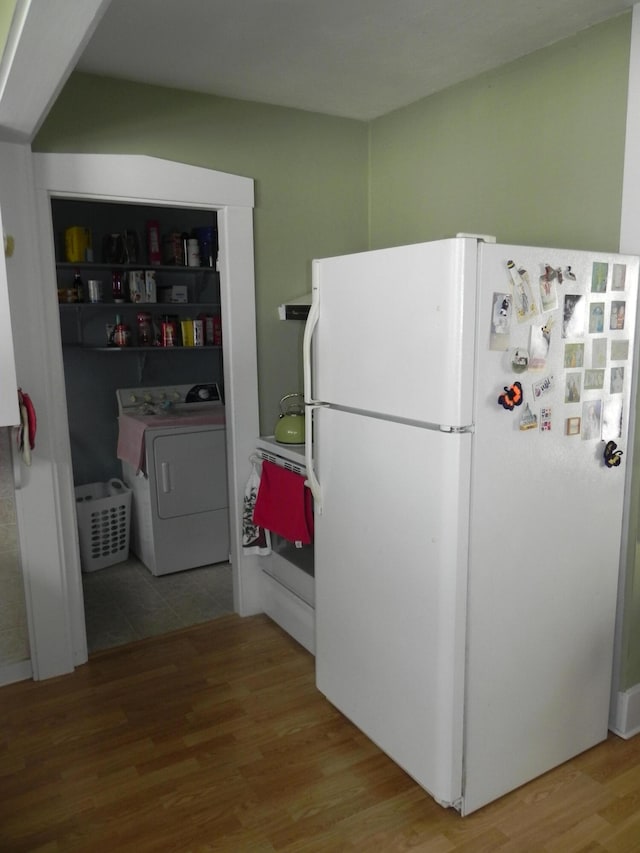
{"x":310,"y":176}
{"x":7,"y":8}
{"x":531,"y":152}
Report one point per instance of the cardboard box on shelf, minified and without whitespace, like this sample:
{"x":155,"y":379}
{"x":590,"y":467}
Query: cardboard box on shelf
{"x":179,"y":293}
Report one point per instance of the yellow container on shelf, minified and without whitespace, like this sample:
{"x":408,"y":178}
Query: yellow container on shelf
{"x":186,"y":328}
{"x":78,"y":244}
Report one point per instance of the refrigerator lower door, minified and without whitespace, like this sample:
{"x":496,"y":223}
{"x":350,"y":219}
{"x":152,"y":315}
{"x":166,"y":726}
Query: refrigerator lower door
{"x":390,"y":567}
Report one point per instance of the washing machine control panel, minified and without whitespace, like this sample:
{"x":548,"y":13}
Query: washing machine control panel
{"x":165,"y":398}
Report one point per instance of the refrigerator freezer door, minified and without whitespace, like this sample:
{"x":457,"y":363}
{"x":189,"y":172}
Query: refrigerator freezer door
{"x":390,"y":568}
{"x":395,"y":331}
{"x":546,"y":524}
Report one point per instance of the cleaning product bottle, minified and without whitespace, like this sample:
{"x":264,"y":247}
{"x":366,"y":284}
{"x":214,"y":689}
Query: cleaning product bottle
{"x":121,"y":333}
{"x":78,"y":287}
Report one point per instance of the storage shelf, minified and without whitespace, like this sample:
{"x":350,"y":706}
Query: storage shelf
{"x":206,"y":348}
{"x":99,"y":265}
{"x":163,"y":307}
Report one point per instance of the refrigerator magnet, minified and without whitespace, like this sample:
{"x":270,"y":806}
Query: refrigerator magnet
{"x":572,"y":426}
{"x":525,"y":304}
{"x":612,"y":456}
{"x":616,"y":320}
{"x":548,"y":291}
{"x":500,"y":321}
{"x":528,"y":420}
{"x":593,"y":380}
{"x":545,"y":419}
{"x":617,"y":380}
{"x":596,"y":318}
{"x":618,"y":277}
{"x":573,"y":316}
{"x":572,"y":387}
{"x":511,"y":396}
{"x":612,"y":421}
{"x":591,"y":419}
{"x":544,"y":386}
{"x":519,"y":360}
{"x":619,"y":350}
{"x":539,"y":342}
{"x":599,"y":275}
{"x":599,"y":352}
{"x":574,"y":355}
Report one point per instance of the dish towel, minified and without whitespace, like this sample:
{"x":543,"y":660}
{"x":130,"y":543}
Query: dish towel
{"x":284,"y":505}
{"x":255,"y":540}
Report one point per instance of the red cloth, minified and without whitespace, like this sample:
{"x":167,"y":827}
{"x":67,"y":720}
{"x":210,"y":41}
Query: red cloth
{"x":284,"y":505}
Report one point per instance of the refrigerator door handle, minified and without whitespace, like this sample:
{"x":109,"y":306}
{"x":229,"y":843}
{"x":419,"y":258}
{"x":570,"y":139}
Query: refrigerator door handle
{"x":309,"y":329}
{"x":311,"y":481}
{"x":310,"y":403}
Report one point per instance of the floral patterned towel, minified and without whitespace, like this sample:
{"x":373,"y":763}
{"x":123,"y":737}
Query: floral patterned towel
{"x":255,"y":540}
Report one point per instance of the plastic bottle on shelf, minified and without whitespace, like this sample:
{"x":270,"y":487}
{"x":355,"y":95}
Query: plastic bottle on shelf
{"x":153,"y":242}
{"x":121,"y":333}
{"x":77,"y":288}
{"x":117,"y":289}
{"x":145,"y":329}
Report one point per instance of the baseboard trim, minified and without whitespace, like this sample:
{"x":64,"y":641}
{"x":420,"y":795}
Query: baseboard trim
{"x":625,"y":714}
{"x":13,"y":672}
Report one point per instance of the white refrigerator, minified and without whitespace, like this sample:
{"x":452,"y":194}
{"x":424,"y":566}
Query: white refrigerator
{"x":467,"y":446}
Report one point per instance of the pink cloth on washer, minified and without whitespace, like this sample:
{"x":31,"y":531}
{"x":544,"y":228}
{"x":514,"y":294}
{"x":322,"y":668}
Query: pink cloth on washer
{"x":132,"y":428}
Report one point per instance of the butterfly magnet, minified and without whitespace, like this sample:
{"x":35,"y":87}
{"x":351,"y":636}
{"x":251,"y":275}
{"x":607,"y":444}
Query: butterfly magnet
{"x":612,"y":456}
{"x":511,"y":396}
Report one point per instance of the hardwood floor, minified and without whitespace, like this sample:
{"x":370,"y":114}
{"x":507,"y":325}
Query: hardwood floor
{"x":215,"y":738}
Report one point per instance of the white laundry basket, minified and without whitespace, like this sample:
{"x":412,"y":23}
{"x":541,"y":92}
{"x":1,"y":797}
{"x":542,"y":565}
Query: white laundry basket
{"x":104,"y":515}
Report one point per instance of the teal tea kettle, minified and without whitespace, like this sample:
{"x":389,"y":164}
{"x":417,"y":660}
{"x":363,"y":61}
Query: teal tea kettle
{"x":289,"y":427}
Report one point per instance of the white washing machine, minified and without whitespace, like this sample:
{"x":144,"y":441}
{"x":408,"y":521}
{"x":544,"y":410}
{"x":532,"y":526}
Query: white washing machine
{"x":172,"y":446}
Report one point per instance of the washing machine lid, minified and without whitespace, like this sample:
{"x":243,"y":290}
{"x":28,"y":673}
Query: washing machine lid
{"x":169,"y":400}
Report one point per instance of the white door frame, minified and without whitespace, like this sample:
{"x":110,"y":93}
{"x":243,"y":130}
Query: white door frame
{"x":54,"y":593}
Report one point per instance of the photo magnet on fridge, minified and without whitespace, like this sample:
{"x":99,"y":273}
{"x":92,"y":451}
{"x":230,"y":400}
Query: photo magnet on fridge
{"x":591,"y":419}
{"x":519,"y":360}
{"x":599,"y":352}
{"x":500,"y":321}
{"x":548,"y":291}
{"x":525,"y":304}
{"x":573,"y":316}
{"x":599,"y":274}
{"x":612,"y":419}
{"x":619,"y":276}
{"x":539,"y":342}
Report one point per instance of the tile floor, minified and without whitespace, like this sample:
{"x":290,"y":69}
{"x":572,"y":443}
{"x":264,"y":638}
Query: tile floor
{"x":126,"y":602}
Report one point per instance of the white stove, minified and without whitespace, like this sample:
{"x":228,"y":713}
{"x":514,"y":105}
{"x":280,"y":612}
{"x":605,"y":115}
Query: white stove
{"x":268,"y":446}
{"x":289,"y":584}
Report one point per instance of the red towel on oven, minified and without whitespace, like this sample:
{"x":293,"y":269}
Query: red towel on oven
{"x":284,"y":504}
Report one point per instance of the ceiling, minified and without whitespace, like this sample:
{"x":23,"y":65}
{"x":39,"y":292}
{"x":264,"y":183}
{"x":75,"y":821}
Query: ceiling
{"x":352,"y":58}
